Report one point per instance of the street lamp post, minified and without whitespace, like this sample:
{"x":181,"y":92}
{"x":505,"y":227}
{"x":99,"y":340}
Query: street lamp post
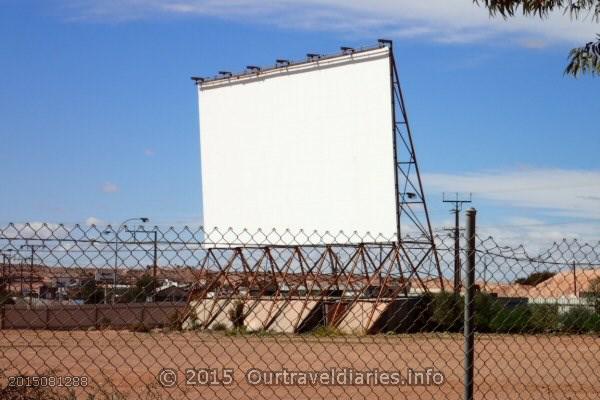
{"x":121,"y":226}
{"x":154,"y":258}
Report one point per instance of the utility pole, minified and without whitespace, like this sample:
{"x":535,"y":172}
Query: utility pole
{"x":458,"y":203}
{"x":6,"y":271}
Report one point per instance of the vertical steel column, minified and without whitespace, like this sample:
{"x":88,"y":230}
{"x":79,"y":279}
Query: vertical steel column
{"x":395,"y":146}
{"x":457,"y":266}
{"x":405,"y":205}
{"x":575,"y":280}
{"x":469,"y":331}
{"x":154,"y":266}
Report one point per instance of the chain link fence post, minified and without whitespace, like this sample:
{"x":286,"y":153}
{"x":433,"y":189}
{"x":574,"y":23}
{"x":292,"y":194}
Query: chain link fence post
{"x":469,"y":314}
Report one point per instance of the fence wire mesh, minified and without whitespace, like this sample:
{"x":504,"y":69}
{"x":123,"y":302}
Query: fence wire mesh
{"x":152,"y":313}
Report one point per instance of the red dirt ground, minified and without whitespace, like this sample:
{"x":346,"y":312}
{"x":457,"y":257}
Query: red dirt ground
{"x":507,"y":366}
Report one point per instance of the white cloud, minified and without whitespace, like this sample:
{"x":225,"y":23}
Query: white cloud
{"x":94,"y":221}
{"x":540,"y":235}
{"x":446,"y":21}
{"x":565,"y":203}
{"x":558,"y":192}
{"x":109,"y":187}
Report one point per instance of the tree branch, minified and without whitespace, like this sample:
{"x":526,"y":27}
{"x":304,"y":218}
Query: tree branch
{"x":541,"y":8}
{"x":585,"y":59}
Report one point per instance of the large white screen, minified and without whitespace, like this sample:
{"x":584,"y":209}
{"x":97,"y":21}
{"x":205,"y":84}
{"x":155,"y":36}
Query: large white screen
{"x":307,"y":147}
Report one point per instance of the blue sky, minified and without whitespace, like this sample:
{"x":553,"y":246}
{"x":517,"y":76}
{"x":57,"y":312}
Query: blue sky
{"x":98,"y":116}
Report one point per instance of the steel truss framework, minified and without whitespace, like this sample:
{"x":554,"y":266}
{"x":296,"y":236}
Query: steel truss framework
{"x":273,"y":277}
{"x":412,"y":215}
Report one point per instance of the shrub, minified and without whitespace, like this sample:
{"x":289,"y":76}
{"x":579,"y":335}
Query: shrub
{"x":104,"y":323}
{"x":263,"y":333}
{"x":491,"y":315}
{"x":236,"y":314}
{"x":544,"y":318}
{"x":447,"y":311}
{"x":580,"y":319}
{"x":5,"y":298}
{"x":192,"y":321}
{"x":175,"y":321}
{"x":326,"y":331}
{"x":512,"y":320}
{"x":487,"y":308}
{"x":237,"y":331}
{"x":219,"y":326}
{"x":90,"y":293}
{"x":144,"y":288}
{"x":593,"y":294}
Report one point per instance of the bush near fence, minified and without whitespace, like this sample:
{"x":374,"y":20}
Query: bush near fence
{"x":494,"y":315}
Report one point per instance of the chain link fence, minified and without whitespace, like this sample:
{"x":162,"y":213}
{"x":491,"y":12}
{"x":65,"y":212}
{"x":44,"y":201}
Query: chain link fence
{"x":181,"y":313}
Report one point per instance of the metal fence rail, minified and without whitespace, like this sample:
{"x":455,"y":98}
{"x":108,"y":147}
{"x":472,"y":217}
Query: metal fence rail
{"x":151,"y":313}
